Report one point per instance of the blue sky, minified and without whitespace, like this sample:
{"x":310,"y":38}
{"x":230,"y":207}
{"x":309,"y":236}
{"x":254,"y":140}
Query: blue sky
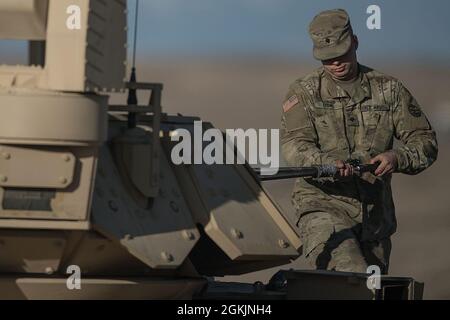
{"x":412,"y":30}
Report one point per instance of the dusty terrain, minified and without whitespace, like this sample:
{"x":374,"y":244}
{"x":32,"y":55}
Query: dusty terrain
{"x":248,"y":93}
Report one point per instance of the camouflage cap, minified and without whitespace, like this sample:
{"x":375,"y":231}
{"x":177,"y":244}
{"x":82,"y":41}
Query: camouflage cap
{"x":331,"y":33}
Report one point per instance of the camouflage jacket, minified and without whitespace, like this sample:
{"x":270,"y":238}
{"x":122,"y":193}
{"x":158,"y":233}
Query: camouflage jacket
{"x":321,"y":124}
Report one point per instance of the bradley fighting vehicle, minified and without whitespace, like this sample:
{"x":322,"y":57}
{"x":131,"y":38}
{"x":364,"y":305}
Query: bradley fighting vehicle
{"x":88,"y":194}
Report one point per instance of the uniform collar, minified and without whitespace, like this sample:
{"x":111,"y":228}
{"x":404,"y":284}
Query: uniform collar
{"x":333,"y":91}
{"x":365,"y":84}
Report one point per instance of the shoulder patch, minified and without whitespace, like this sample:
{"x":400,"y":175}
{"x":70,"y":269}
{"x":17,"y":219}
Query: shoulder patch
{"x":414,"y":110}
{"x":292,"y":101}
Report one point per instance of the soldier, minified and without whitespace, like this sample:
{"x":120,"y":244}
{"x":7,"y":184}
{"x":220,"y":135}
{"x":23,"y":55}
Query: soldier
{"x":345,"y":110}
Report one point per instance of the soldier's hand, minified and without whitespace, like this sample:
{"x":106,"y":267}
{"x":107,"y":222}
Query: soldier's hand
{"x":345,"y":169}
{"x":388,"y":163}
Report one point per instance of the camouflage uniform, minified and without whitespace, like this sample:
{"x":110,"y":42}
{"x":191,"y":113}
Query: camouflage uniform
{"x":345,"y":224}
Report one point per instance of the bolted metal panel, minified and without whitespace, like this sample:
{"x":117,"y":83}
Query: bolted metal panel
{"x":233,"y":209}
{"x":111,"y":288}
{"x":31,"y":251}
{"x":69,"y":203}
{"x":285,"y":220}
{"x":239,"y":223}
{"x":28,"y":167}
{"x":161,"y":235}
{"x":138,"y":158}
{"x":111,"y":258}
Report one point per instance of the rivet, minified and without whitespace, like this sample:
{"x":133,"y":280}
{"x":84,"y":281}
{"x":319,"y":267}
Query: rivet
{"x":283,"y":244}
{"x":66,"y":157}
{"x":62,"y":180}
{"x":188,"y":235}
{"x":166,"y":256}
{"x":49,"y":270}
{"x":6,"y":156}
{"x":237,"y":233}
{"x":3,"y":178}
{"x":113,"y":206}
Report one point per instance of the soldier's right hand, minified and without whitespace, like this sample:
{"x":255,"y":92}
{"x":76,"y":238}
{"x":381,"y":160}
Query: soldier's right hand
{"x":344,"y":169}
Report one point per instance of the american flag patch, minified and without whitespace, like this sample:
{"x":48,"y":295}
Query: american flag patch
{"x":292,"y":101}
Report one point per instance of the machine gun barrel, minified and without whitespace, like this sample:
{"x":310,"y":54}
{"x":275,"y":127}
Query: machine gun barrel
{"x":319,"y":171}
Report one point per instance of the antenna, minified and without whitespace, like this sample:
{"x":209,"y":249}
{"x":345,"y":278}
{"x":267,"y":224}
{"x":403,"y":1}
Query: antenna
{"x":132,"y":97}
{"x":136,"y":17}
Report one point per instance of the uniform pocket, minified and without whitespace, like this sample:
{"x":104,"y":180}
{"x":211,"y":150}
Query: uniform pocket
{"x":377,"y":128}
{"x":326,"y":131}
{"x":370,"y":122}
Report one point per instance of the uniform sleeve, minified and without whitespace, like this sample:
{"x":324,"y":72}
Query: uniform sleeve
{"x":412,"y":128}
{"x":298,"y":136}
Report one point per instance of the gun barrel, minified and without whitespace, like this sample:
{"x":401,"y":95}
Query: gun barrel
{"x":288,"y":173}
{"x":320,"y":171}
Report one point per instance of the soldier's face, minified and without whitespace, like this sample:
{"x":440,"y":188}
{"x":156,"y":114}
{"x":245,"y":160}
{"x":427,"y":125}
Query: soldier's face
{"x":343,"y":67}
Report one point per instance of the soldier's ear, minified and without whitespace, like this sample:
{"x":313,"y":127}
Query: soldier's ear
{"x":355,"y":42}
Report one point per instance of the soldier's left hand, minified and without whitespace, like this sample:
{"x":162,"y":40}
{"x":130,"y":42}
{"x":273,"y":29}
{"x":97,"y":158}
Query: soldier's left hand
{"x":388,"y":163}
{"x":345,"y":169}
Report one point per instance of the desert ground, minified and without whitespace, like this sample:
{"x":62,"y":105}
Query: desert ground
{"x":248,"y":93}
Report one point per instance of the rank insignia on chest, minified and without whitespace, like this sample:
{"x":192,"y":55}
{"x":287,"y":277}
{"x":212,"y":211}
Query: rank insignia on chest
{"x":352,"y":120}
{"x":414,"y":110}
{"x":328,"y":104}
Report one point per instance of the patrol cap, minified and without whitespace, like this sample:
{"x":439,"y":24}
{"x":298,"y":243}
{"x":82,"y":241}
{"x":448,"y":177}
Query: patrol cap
{"x":331,"y":33}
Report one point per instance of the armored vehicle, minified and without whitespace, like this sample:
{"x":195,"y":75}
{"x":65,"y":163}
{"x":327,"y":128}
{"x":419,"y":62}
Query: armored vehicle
{"x":91,"y":207}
